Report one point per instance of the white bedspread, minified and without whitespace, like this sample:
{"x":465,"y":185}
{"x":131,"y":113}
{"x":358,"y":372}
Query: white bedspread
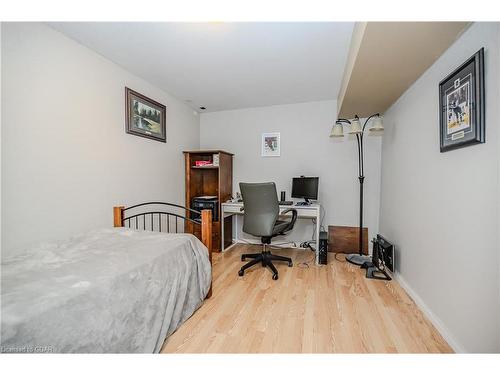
{"x":112,"y":290}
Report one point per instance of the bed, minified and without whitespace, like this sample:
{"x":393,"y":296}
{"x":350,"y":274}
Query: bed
{"x":115,"y":290}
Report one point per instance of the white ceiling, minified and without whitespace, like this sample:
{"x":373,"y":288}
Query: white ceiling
{"x":226,"y":65}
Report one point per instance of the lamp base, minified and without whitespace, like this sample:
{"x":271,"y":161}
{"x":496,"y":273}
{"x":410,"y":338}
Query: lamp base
{"x":357,"y":259}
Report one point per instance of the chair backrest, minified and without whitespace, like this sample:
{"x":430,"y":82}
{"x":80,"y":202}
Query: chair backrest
{"x":261,"y":208}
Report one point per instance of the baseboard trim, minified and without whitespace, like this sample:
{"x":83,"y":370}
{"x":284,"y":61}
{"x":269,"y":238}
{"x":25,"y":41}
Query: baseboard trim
{"x":438,"y":323}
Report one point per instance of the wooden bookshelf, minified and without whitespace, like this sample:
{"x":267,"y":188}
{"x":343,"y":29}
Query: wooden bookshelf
{"x":210,"y":180}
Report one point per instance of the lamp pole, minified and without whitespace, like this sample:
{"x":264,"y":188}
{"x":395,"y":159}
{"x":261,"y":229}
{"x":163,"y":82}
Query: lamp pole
{"x":359,"y":259}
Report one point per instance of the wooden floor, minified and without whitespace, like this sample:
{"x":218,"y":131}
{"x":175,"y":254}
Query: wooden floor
{"x":320,"y":309}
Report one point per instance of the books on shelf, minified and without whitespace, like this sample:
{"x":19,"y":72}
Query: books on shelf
{"x":203,"y":163}
{"x":208,"y":163}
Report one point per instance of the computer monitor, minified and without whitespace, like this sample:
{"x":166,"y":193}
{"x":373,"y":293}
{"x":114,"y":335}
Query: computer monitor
{"x":305,"y":187}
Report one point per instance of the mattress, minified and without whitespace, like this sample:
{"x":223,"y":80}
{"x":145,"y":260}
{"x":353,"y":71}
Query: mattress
{"x":108,"y":291}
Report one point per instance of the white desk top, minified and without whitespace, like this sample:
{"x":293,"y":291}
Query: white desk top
{"x":282,"y":206}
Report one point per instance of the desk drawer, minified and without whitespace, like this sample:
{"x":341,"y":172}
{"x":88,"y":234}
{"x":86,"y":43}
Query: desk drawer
{"x":303,"y":212}
{"x":233,"y":209}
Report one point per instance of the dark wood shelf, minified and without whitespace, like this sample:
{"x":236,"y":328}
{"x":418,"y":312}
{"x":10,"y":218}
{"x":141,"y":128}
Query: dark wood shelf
{"x":208,"y":152}
{"x":205,"y":167}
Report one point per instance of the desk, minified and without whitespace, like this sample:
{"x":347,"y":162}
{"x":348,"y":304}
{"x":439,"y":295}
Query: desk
{"x":312,"y":211}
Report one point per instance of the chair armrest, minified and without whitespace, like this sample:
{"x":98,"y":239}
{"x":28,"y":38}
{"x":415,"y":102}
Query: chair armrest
{"x":294,"y":218}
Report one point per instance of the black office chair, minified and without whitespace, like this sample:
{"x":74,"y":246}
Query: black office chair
{"x":261,"y":213}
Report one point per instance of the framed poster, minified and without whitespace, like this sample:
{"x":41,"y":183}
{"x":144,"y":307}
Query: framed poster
{"x":144,"y":117}
{"x":461,"y":103}
{"x":270,"y":144}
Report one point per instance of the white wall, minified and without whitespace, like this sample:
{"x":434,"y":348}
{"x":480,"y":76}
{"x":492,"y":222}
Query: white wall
{"x":66,"y":159}
{"x":498,"y":203}
{"x":0,"y":136}
{"x":306,"y":149}
{"x":441,"y":209}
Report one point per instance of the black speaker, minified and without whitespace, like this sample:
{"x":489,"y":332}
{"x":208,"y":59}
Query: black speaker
{"x":283,"y":196}
{"x":323,"y":248}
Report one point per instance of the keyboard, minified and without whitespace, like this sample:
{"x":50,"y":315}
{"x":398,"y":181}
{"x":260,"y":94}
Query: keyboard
{"x":303,"y":204}
{"x":285,"y":203}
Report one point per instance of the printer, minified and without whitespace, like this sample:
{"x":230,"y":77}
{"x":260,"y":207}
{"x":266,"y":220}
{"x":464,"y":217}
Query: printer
{"x":205,"y":202}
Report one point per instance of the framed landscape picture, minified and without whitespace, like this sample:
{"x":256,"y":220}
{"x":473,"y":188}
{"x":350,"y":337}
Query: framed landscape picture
{"x":270,"y":144}
{"x":144,"y":117}
{"x":461,"y":103}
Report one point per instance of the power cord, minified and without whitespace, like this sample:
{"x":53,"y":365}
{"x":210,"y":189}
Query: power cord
{"x":306,"y":263}
{"x":307,"y":245}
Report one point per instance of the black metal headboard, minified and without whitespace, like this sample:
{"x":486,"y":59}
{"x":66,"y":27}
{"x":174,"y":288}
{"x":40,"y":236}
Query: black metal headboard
{"x":147,"y":219}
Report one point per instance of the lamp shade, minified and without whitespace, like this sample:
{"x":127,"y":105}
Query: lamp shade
{"x":377,"y":124}
{"x":355,"y":126}
{"x":337,"y":130}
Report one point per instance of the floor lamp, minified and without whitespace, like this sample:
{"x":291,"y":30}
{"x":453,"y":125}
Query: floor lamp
{"x":356,"y":129}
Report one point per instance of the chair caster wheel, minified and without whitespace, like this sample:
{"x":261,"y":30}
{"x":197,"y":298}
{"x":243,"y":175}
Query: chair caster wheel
{"x":241,"y":272}
{"x":275,"y":276}
{"x":290,"y":264}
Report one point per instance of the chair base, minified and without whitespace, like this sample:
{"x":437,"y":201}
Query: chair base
{"x":265,"y":258}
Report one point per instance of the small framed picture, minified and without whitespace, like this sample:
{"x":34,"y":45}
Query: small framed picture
{"x":144,"y":116}
{"x":461,"y":100}
{"x":271,"y":144}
